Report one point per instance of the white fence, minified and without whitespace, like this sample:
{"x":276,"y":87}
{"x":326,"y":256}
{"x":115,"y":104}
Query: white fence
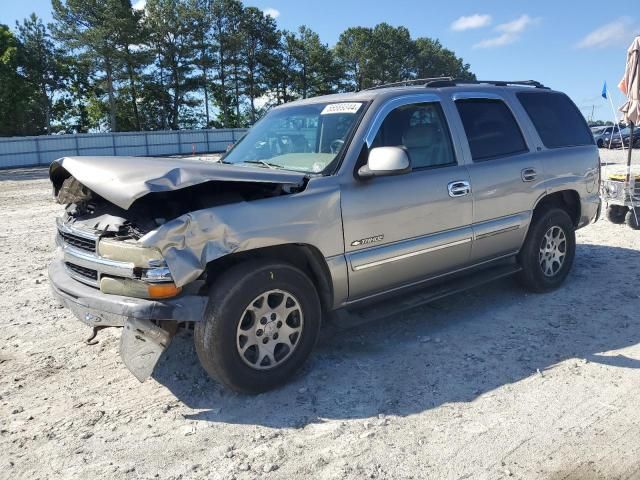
{"x":32,"y":151}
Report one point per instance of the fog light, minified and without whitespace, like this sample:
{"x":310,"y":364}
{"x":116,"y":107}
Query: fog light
{"x":138,"y":289}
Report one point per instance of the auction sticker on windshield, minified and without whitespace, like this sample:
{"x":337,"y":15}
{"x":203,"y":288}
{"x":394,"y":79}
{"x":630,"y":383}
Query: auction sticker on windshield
{"x":341,"y":108}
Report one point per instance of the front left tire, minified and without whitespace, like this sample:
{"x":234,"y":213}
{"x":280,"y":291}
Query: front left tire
{"x":261,"y":324}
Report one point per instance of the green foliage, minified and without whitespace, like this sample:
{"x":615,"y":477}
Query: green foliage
{"x":14,"y":98}
{"x":103,"y":65}
{"x":385,"y":54}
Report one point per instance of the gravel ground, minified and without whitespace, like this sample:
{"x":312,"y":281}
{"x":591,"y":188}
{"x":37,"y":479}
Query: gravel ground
{"x":493,"y":383}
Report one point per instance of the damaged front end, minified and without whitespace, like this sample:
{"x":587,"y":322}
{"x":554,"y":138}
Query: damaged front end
{"x":108,"y":272}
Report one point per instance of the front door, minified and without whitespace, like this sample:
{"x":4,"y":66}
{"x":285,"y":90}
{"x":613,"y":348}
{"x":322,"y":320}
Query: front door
{"x":403,"y":229}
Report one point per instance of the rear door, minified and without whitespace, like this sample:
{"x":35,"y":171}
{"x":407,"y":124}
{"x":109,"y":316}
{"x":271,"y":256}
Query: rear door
{"x":403,"y":229}
{"x":506,"y":174}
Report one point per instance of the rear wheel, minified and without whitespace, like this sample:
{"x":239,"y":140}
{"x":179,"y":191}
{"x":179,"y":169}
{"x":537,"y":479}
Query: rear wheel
{"x":633,"y":218}
{"x":616,"y":213}
{"x":548,"y":251}
{"x":261,"y":323}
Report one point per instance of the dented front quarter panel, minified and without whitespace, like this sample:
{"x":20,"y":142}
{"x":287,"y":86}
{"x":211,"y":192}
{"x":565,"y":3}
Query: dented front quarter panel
{"x":189,"y":242}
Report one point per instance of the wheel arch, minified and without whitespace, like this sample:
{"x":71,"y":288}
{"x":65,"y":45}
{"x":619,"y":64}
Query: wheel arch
{"x":306,"y":257}
{"x":568,"y":200}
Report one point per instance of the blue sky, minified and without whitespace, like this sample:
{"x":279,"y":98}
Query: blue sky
{"x":569,"y":46}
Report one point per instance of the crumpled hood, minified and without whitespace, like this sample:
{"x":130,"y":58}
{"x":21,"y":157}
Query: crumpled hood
{"x":123,"y":180}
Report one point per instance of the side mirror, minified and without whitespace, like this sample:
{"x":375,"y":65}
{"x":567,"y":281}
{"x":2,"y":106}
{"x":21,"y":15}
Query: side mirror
{"x":385,"y":161}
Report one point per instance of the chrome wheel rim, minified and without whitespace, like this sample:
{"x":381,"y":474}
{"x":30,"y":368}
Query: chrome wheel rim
{"x":269,"y":329}
{"x":553,"y":251}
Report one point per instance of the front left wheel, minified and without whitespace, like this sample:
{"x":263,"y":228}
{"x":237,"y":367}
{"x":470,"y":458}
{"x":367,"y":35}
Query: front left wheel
{"x":261,"y":324}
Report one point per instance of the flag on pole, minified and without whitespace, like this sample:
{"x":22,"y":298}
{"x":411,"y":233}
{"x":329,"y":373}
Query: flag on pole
{"x":604,"y":90}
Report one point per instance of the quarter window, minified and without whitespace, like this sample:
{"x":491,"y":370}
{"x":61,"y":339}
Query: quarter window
{"x":491,"y":130}
{"x":421,"y":129}
{"x":557,"y":120}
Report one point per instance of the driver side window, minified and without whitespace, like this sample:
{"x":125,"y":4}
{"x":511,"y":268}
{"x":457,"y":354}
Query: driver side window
{"x":422,"y":130}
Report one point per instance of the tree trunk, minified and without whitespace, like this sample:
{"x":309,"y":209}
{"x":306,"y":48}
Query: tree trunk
{"x":47,"y":107}
{"x":304,"y":81}
{"x":134,"y":93}
{"x":176,"y":94}
{"x":223,"y":88}
{"x":112,"y":99}
{"x":237,"y":82}
{"x":163,"y":110}
{"x":205,"y":79}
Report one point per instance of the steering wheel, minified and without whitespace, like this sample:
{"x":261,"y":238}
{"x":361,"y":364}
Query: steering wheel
{"x":336,"y":145}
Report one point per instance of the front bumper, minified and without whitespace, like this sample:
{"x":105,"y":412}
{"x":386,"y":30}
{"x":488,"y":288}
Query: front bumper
{"x":142,"y":341}
{"x":99,"y":309}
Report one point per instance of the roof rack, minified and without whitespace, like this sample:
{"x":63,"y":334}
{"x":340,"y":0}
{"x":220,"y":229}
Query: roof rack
{"x":497,"y":83}
{"x":414,"y":81}
{"x":438,"y":82}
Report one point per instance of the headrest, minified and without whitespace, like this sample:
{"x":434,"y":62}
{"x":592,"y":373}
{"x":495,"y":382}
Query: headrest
{"x":419,"y":137}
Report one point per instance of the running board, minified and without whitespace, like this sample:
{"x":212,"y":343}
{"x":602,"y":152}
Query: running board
{"x":353,"y":316}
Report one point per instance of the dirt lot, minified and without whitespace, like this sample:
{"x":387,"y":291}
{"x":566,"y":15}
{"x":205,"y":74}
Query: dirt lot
{"x":493,"y":384}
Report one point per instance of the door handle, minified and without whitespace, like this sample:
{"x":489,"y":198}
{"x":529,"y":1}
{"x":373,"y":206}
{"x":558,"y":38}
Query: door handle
{"x":459,"y":188}
{"x":528,"y":174}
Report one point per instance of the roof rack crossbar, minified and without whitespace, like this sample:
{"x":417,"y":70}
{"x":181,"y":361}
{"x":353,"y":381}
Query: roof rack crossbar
{"x":437,"y":82}
{"x":504,"y":83}
{"x":412,"y":81}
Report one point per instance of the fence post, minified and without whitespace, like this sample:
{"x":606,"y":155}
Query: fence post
{"x":38,"y":151}
{"x":113,"y":142}
{"x":146,"y":143}
{"x":179,"y":142}
{"x":76,"y":143}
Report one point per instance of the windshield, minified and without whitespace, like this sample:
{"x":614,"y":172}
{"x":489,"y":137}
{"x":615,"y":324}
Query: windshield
{"x":305,"y":138}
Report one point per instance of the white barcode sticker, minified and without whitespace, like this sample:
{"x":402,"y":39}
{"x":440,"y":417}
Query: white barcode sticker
{"x":341,"y":108}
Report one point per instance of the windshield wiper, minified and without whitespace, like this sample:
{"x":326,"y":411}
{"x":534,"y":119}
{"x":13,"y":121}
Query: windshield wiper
{"x":273,"y":166}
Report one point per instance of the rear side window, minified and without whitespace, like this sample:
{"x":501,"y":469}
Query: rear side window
{"x":491,"y":130}
{"x":557,"y":119}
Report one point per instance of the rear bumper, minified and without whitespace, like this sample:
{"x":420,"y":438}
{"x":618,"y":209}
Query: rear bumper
{"x":95,"y":308}
{"x":590,"y":207}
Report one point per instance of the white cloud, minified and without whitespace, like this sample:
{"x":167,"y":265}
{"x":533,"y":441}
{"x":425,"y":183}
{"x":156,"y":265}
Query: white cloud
{"x":518,"y":25}
{"x":620,"y":32}
{"x":140,"y":4}
{"x":510,"y":32}
{"x":271,"y":12}
{"x":470,"y":22}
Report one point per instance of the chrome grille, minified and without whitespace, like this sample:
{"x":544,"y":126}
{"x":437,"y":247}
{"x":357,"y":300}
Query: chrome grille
{"x":79,"y":242}
{"x":83,"y":271}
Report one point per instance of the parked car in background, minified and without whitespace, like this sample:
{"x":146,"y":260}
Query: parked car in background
{"x":625,"y":138}
{"x":324,"y":207}
{"x":603,"y":135}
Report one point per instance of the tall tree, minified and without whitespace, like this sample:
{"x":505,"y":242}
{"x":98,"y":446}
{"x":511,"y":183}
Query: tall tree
{"x":260,"y":38}
{"x":225,"y":33}
{"x":129,"y":37}
{"x":13,"y":95}
{"x":317,"y":71}
{"x":353,"y":53}
{"x":384,"y":54}
{"x":433,"y":60}
{"x":201,"y":13}
{"x":170,"y":26}
{"x":90,"y":29}
{"x":41,"y":70}
{"x":391,"y":51}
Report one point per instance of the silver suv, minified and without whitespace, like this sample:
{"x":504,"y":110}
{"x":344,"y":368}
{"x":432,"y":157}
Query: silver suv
{"x":326,"y":206}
